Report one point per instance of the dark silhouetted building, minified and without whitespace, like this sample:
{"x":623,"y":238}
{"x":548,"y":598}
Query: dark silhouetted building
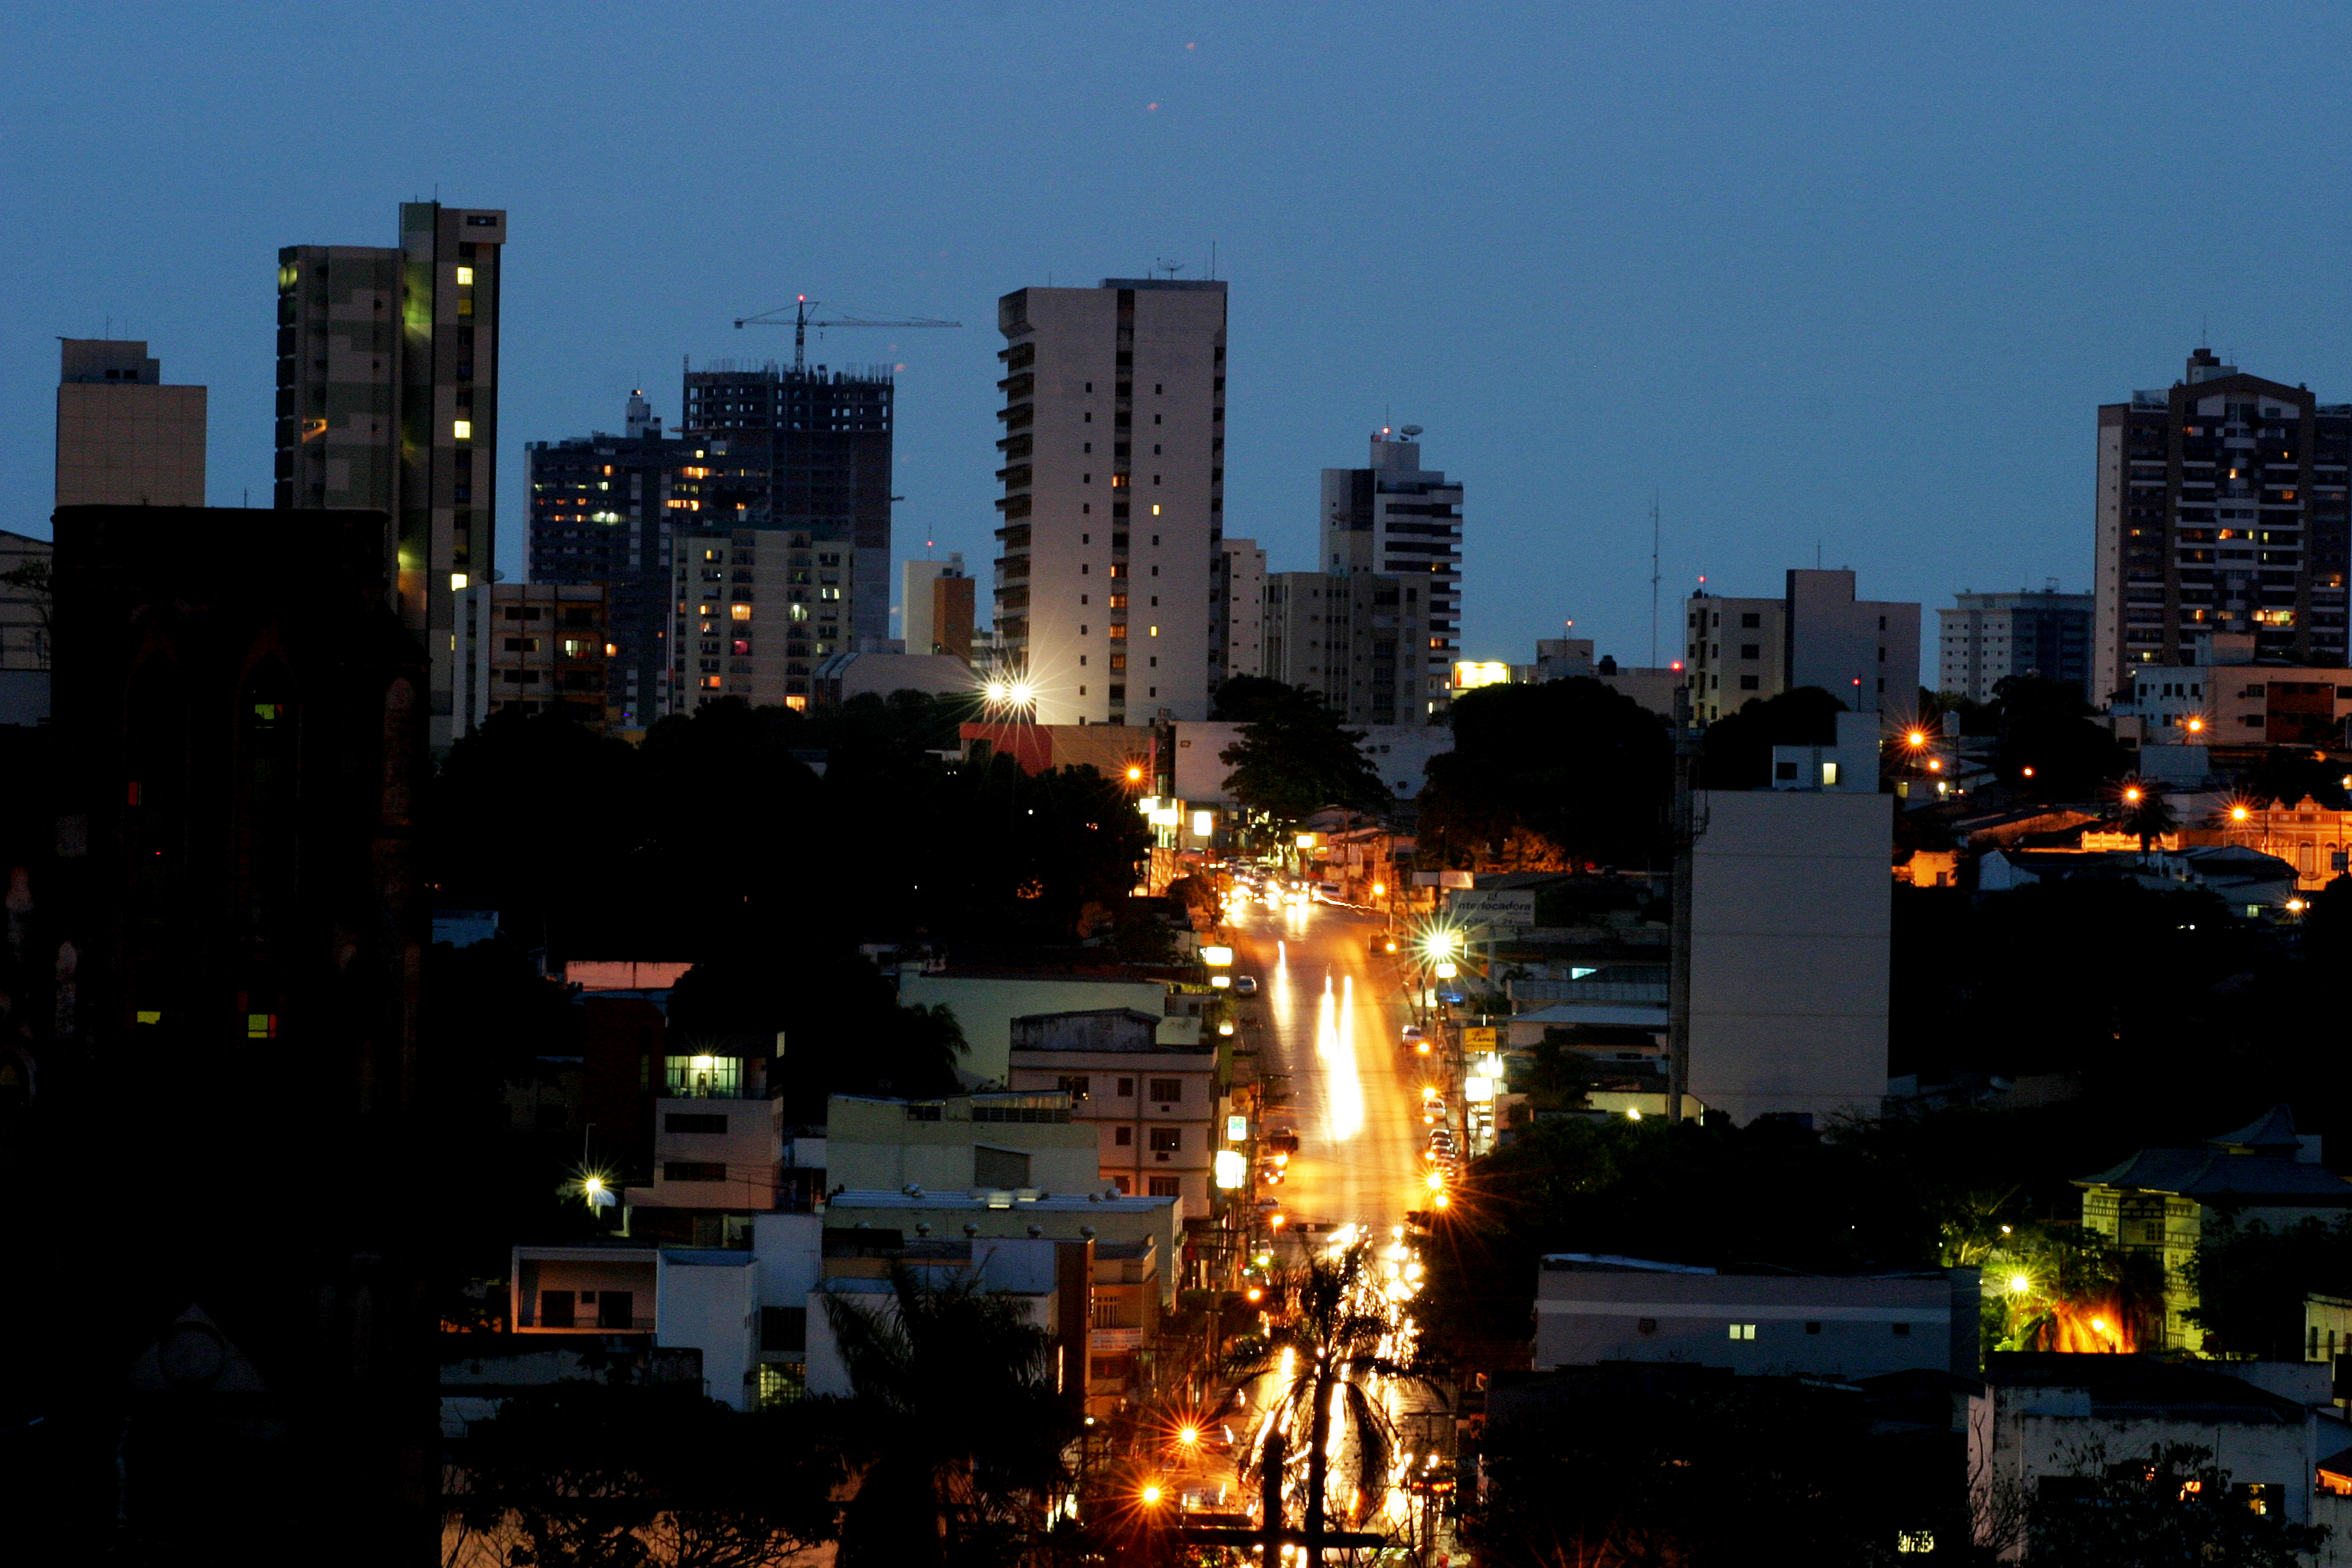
{"x":214,"y":975}
{"x":806,"y":450}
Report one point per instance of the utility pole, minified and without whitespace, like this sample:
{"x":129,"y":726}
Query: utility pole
{"x":1685,"y":829}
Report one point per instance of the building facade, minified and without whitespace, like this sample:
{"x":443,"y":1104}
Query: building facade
{"x":1241,"y":591}
{"x":1114,"y":497}
{"x":805,"y":449}
{"x":536,"y":646}
{"x":754,"y":611}
{"x":936,"y":607}
{"x":1154,"y":1105}
{"x":1985,"y":638}
{"x":124,"y":437}
{"x":2221,"y":508}
{"x":1864,"y":652}
{"x":1396,"y":519}
{"x":605,"y":510}
{"x":1354,"y":640}
{"x":387,"y":401}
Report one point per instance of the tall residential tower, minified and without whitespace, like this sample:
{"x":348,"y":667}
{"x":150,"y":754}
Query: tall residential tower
{"x":387,"y":401}
{"x":1399,"y":519}
{"x":2221,"y":508}
{"x":1114,"y":498}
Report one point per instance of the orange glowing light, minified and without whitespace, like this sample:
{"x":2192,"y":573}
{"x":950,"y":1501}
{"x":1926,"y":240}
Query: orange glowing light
{"x":1916,"y":738}
{"x":2239,"y":814}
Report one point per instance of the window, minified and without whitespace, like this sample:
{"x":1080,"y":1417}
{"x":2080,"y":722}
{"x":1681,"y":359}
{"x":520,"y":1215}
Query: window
{"x":1751,"y":620}
{"x":1166,"y":1089}
{"x":1074,"y":1085}
{"x":1756,"y":650}
{"x":614,"y":1308}
{"x":1167,"y":1187}
{"x":1751,"y":683}
{"x":1902,"y":1331}
{"x":699,"y":1078}
{"x":1743,"y":1330}
{"x":1123,"y":1137}
{"x":1126,"y":1185}
{"x":1646,"y":1325}
{"x":693,"y":1121}
{"x":693,"y":1171}
{"x":462,"y":429}
{"x":1812,"y":1328}
{"x":1167,"y":1139}
{"x":1126,"y":1086}
{"x":555,"y":1309}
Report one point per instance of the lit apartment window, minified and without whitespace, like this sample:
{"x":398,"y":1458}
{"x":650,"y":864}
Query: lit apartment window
{"x":462,"y":429}
{"x":1743,"y":1330}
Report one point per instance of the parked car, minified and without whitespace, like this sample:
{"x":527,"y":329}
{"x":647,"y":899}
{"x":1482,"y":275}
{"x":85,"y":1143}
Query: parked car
{"x":1245,"y":984}
{"x":1414,"y":1034}
{"x":1283,"y":1140}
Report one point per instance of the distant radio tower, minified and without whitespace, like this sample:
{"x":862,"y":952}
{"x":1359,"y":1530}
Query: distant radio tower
{"x":1653,"y":579}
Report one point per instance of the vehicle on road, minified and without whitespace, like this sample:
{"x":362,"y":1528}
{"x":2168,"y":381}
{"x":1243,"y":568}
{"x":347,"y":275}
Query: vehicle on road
{"x":1283,"y":1140}
{"x":1328,"y":891}
{"x":1270,"y":1173}
{"x":1245,"y":984}
{"x":1414,"y":1034}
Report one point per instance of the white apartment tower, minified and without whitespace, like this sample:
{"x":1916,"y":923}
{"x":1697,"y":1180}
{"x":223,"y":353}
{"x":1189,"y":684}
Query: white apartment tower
{"x":1397,"y":519}
{"x":1114,"y":497}
{"x":1242,"y":591}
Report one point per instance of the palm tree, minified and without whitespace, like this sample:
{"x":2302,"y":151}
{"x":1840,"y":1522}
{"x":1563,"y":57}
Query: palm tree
{"x":1342,"y":1337}
{"x":2141,"y":808}
{"x":955,"y":1429}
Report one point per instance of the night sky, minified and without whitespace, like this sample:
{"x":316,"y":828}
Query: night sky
{"x":1845,"y":279}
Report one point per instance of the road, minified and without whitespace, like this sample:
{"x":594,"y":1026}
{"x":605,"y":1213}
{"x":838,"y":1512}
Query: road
{"x":1331,"y":1018}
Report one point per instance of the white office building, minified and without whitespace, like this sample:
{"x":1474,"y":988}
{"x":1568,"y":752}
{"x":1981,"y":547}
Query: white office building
{"x":1398,"y":519}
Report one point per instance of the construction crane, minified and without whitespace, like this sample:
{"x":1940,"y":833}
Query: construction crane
{"x":800,"y":321}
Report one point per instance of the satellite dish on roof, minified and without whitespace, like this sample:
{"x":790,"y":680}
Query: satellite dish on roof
{"x":1410,"y":431}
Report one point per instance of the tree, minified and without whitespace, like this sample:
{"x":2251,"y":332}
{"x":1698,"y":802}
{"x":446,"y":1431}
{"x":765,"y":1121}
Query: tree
{"x":1581,"y":768}
{"x":954,"y":1431}
{"x":622,"y":1474}
{"x":2140,"y":807}
{"x":1293,"y":758}
{"x":1736,"y":751}
{"x":1341,"y":1337}
{"x":2173,"y":1506}
{"x":2286,"y":777}
{"x":2045,"y":725}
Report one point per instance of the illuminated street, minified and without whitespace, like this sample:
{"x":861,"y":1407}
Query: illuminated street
{"x":1332,"y":1018}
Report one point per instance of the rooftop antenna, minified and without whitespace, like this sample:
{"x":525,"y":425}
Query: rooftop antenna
{"x":1170,"y":268}
{"x":1653,"y":579}
{"x":1213,"y":258}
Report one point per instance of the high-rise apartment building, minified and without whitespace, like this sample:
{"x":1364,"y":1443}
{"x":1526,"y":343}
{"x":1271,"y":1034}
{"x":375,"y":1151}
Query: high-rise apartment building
{"x":937,"y":602}
{"x":387,"y":401}
{"x":1114,"y":497}
{"x":754,"y":611}
{"x":534,"y":646}
{"x":1354,"y":641}
{"x":1864,"y":652}
{"x":605,"y":510}
{"x":2221,"y":508}
{"x":1399,"y":519}
{"x":1985,"y":638}
{"x":124,"y":437}
{"x":1241,"y":590}
{"x":806,"y":450}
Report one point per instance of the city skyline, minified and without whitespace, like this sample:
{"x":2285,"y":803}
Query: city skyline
{"x":1724,"y":218}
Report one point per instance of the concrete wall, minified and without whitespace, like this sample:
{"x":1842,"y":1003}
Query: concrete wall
{"x":711,"y":1300}
{"x":872,"y":1145}
{"x":1825,"y":1326}
{"x":986,"y":1005}
{"x":1789,"y":953}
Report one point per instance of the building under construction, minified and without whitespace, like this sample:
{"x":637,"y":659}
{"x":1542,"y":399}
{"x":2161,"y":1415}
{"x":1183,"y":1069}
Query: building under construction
{"x":805,"y":448}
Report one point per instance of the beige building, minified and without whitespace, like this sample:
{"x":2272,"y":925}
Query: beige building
{"x":755,"y":611}
{"x":985,"y":1004}
{"x":1395,"y":519}
{"x":978,"y":1143}
{"x":1156,"y":1107}
{"x":1243,"y":592}
{"x":124,"y":437}
{"x":1789,"y":944}
{"x":1864,"y":652}
{"x":1114,"y":497}
{"x":533,"y":645}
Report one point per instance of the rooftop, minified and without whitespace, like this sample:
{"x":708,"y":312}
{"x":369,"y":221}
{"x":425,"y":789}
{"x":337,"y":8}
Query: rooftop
{"x":2126,"y":1386}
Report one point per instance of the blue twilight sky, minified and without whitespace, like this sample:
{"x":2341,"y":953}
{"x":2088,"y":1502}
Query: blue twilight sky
{"x":1849,"y":278}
